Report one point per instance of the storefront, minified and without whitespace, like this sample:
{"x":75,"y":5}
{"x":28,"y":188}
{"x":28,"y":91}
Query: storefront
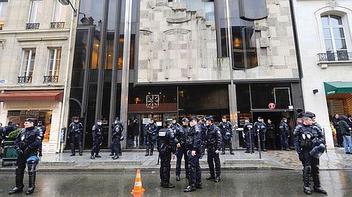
{"x":339,"y":97}
{"x":45,"y":106}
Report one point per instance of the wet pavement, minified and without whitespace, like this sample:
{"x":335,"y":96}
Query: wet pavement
{"x":234,"y":183}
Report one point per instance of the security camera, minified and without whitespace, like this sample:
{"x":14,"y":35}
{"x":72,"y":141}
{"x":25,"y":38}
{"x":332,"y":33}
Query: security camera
{"x":64,"y":2}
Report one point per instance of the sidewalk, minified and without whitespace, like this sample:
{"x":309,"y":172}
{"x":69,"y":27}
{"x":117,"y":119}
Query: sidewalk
{"x":271,"y":160}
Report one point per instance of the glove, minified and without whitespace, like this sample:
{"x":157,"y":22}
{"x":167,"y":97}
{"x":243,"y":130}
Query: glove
{"x":19,"y":151}
{"x":300,"y":156}
{"x":217,"y":152}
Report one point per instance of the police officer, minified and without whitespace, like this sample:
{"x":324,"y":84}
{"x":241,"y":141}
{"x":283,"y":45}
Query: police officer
{"x":117,"y":137}
{"x":203,"y":128}
{"x":227,"y":134}
{"x":213,"y":138}
{"x":284,"y":132}
{"x":193,"y":145}
{"x":307,"y":139}
{"x":150,"y":130}
{"x":248,"y":131}
{"x":260,"y":129}
{"x":97,"y":134}
{"x":75,"y":132}
{"x":166,"y":146}
{"x":181,"y":151}
{"x":113,"y":126}
{"x":41,"y":129}
{"x":27,"y":145}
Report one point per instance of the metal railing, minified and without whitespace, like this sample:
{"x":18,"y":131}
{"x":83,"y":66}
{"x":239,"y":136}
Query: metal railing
{"x":57,"y":25}
{"x":51,"y":79}
{"x":24,"y":79}
{"x":337,"y":56}
{"x":32,"y":25}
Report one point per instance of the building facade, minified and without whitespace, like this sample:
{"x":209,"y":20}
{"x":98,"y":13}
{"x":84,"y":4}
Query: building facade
{"x":34,"y":59}
{"x":189,"y":57}
{"x":326,"y":58}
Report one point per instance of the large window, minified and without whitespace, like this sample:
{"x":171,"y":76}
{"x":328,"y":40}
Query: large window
{"x":33,"y":12}
{"x":53,"y":68}
{"x":57,"y":11}
{"x":334,"y":34}
{"x":27,"y":65}
{"x":3,"y":8}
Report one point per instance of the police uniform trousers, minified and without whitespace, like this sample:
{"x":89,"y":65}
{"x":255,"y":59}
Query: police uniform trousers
{"x":227,"y":143}
{"x":115,"y":146}
{"x":165,"y":167}
{"x":310,"y":169}
{"x":22,"y":161}
{"x":96,"y":146}
{"x":181,"y":152}
{"x":195,"y":175}
{"x":76,"y":139}
{"x":214,"y":159}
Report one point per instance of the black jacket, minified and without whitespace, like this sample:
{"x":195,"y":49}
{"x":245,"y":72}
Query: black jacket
{"x":226,"y":130}
{"x":194,"y":138}
{"x":344,"y":127}
{"x":213,"y":138}
{"x":166,"y":141}
{"x":28,"y":142}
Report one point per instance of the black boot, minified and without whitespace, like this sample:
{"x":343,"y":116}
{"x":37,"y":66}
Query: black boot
{"x":217,"y":179}
{"x":19,"y":183}
{"x":306,"y":184}
{"x":147,"y":153}
{"x":115,"y":157}
{"x":151,"y":152}
{"x":31,"y":183}
{"x":190,"y":188}
{"x":317,"y":187}
{"x":211,"y":177}
{"x":178,"y":178}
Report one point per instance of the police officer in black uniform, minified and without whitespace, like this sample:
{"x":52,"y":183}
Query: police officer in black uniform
{"x":260,"y":129}
{"x":193,"y":145}
{"x":113,"y":125}
{"x":166,"y":142}
{"x":248,"y":131}
{"x":75,"y":132}
{"x":203,"y":128}
{"x":213,"y":145}
{"x":308,"y":142}
{"x":117,"y":137}
{"x":41,"y":129}
{"x":150,"y":130}
{"x":27,"y":145}
{"x":97,"y":134}
{"x":284,"y":132}
{"x":227,"y":134}
{"x":181,"y":151}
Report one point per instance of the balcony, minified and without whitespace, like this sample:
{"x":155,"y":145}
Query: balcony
{"x":57,"y":25}
{"x":32,"y":25}
{"x":331,"y":58}
{"x":335,"y":57}
{"x":24,"y":79}
{"x":51,"y":79}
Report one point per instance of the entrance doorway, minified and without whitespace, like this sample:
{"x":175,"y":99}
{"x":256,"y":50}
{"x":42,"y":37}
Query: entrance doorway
{"x":273,"y":138}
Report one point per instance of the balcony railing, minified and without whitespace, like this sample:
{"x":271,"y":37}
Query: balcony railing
{"x":51,"y":79}
{"x":338,"y":56}
{"x":57,"y":25}
{"x":24,"y":79}
{"x":32,"y":25}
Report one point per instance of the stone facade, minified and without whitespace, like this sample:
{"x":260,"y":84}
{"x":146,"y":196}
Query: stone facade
{"x":17,"y":35}
{"x":179,"y":45}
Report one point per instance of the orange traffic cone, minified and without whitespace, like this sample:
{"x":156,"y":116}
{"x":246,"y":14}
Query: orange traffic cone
{"x":138,"y":189}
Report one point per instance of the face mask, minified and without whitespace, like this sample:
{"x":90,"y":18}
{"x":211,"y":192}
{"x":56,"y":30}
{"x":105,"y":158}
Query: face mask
{"x":246,"y":121}
{"x":99,"y":123}
{"x":224,"y":120}
{"x":174,"y":121}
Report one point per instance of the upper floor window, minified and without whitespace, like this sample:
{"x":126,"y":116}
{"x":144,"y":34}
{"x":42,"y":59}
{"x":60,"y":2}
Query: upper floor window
{"x":334,"y":34}
{"x":3,"y":8}
{"x":33,"y":12}
{"x":53,"y":68}
{"x":27,"y":65}
{"x":57,"y":11}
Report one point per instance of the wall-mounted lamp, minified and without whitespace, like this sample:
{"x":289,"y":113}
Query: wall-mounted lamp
{"x":315,"y":91}
{"x":68,"y":2}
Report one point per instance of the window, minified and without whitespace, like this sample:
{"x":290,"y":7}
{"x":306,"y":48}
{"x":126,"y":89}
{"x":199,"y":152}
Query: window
{"x":33,"y":12}
{"x":334,"y":34}
{"x":53,"y":68}
{"x":27,"y":66}
{"x":57,"y":11}
{"x":3,"y":8}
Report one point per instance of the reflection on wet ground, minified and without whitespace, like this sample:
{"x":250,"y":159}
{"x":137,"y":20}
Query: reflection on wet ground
{"x":234,"y":183}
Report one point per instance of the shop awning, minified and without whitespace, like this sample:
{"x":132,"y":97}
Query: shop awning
{"x":337,"y":87}
{"x":43,"y":95}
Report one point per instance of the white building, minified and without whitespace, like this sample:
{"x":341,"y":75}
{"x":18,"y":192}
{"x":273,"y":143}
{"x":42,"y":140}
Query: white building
{"x":35,"y":56}
{"x":325,"y":39}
